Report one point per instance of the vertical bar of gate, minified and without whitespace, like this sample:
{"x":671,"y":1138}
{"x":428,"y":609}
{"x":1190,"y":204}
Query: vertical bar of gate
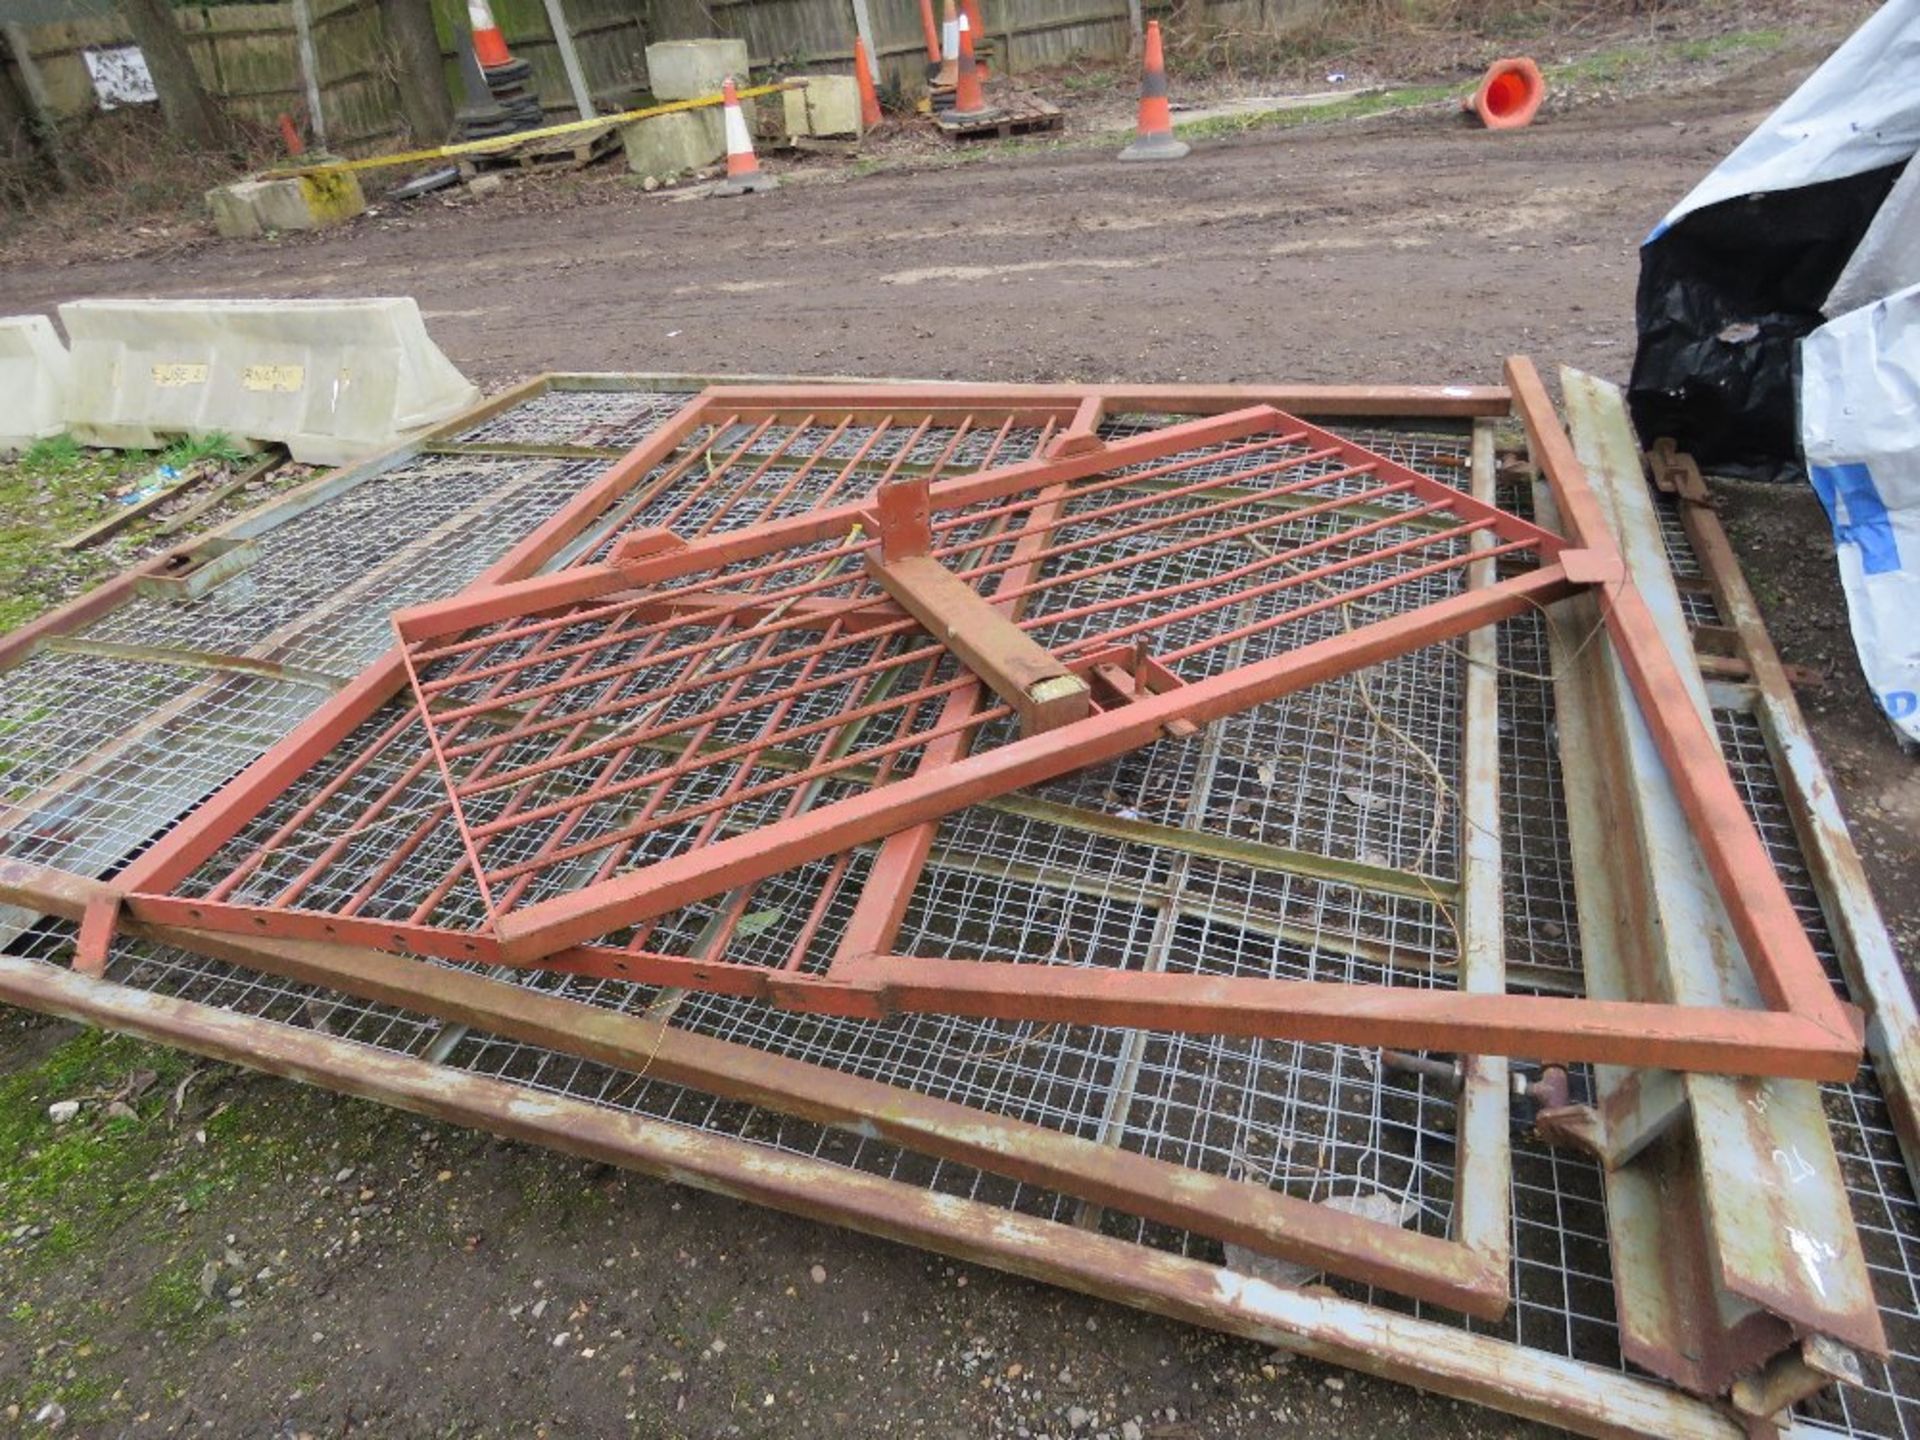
{"x":1483,"y":1154}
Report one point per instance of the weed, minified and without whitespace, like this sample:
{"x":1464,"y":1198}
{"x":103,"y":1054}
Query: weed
{"x":58,"y":452}
{"x":216,"y":445}
{"x":172,"y":1297}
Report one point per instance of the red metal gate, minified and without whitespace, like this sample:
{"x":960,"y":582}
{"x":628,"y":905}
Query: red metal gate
{"x":683,"y":713}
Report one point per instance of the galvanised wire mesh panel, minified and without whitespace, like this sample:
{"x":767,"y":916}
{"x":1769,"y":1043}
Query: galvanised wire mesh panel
{"x":384,"y":868}
{"x":1564,"y":1303}
{"x":564,"y":416}
{"x":100,"y":755}
{"x":326,"y":582}
{"x":609,"y":736}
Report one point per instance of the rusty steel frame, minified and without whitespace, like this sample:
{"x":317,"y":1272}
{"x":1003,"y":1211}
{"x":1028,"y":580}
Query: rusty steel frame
{"x":1714,"y":1185}
{"x":1582,"y":1397}
{"x":1805,"y":1033}
{"x":1031,"y":495}
{"x":1469,"y":1274}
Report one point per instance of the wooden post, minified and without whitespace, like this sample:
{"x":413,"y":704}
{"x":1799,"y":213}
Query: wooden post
{"x":570,"y":59}
{"x":309,"y":71}
{"x":422,"y":81}
{"x":46,"y":128}
{"x":191,"y":114}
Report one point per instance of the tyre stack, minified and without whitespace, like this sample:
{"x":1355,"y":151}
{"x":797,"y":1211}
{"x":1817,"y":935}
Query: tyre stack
{"x":511,"y":86}
{"x":500,"y":98}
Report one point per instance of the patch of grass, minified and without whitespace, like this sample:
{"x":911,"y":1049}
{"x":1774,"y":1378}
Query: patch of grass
{"x":49,"y":456}
{"x":1716,"y":47}
{"x":51,"y":492}
{"x":217,"y":445}
{"x":1407,"y":97}
{"x":172,"y":1297}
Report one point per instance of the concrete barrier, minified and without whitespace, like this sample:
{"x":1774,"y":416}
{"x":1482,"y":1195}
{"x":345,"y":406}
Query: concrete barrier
{"x":673,"y":144}
{"x":33,"y":379}
{"x":332,"y":380}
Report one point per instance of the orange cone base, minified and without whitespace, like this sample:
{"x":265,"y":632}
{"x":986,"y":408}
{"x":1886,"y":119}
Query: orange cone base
{"x":1156,"y":147}
{"x":1509,"y":95}
{"x":745,"y":185}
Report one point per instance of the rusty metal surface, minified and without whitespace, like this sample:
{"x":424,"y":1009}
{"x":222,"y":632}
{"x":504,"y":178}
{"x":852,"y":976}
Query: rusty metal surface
{"x":1730,"y":1232}
{"x":1467,"y":1275}
{"x":1563,"y":1300}
{"x":578,"y":856}
{"x":1578,"y":1396}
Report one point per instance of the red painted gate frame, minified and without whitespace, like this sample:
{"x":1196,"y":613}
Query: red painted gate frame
{"x":1805,"y":1033}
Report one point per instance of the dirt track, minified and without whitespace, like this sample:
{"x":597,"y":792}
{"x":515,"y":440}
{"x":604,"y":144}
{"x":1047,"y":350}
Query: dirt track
{"x":1409,"y":249}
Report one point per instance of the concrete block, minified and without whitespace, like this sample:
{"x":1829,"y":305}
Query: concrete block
{"x":689,"y":69}
{"x":332,"y":380}
{"x":34,"y":378}
{"x":672,"y":144}
{"x":830,"y":105}
{"x":291,"y":202}
{"x":234,"y":213}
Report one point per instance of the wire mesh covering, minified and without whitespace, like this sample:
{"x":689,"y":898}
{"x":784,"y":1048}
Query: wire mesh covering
{"x":1316,"y":1121}
{"x":615,"y":734}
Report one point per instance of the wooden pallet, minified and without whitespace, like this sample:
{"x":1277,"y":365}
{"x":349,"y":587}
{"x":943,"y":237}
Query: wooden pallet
{"x":1024,"y":116}
{"x":570,"y":152}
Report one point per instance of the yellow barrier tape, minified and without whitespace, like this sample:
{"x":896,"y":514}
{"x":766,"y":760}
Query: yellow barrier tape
{"x":498,"y":143}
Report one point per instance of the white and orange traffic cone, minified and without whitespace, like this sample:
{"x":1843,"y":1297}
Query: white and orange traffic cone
{"x":743,"y":166}
{"x":969,"y":98}
{"x":1508,"y":95}
{"x":869,"y":97}
{"x":971,"y":19}
{"x":489,"y":45}
{"x":1154,"y":138}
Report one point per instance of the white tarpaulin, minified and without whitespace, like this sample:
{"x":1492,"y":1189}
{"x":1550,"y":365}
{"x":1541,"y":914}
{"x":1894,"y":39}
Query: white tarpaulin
{"x":1860,"y":428}
{"x":1858,"y":112}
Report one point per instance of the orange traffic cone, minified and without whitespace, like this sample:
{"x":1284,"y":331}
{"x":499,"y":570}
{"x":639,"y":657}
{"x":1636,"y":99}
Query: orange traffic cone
{"x":863,"y":72}
{"x":971,"y":18}
{"x":1509,"y":95}
{"x":969,"y":100}
{"x":1154,"y":140}
{"x":489,"y":45}
{"x":949,"y":73}
{"x":933,"y":37}
{"x":743,"y":168}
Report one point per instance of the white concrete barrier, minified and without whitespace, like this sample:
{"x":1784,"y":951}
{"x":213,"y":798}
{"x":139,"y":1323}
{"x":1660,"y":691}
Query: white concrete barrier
{"x":33,"y":381}
{"x":332,"y":380}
